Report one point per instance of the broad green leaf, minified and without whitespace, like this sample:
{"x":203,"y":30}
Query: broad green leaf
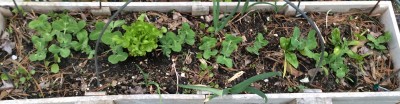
{"x":4,"y":76}
{"x":203,"y":88}
{"x":335,"y":37}
{"x":118,"y":57}
{"x":95,"y":33}
{"x":81,"y":24}
{"x":246,"y":83}
{"x":76,"y":45}
{"x":258,"y":92}
{"x":117,"y":23}
{"x":82,"y":35}
{"x":257,"y":45}
{"x":229,"y":45}
{"x":187,"y":33}
{"x":55,"y":68}
{"x":284,"y":43}
{"x":41,"y":24}
{"x":340,"y":73}
{"x":39,"y":43}
{"x":225,"y":60}
{"x":207,"y":43}
{"x":65,"y":52}
{"x":296,"y":33}
{"x":311,"y":40}
{"x":39,"y":55}
{"x":54,"y":49}
{"x":107,"y":37}
{"x":32,"y":72}
{"x":292,"y":59}
{"x":208,"y":53}
{"x":22,"y":80}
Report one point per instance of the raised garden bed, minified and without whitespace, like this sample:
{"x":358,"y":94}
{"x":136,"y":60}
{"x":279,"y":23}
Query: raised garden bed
{"x":76,"y":71}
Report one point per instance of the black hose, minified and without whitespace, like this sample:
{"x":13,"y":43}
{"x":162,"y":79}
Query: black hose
{"x":321,"y":40}
{"x":19,"y":10}
{"x":96,"y":63}
{"x":376,"y":5}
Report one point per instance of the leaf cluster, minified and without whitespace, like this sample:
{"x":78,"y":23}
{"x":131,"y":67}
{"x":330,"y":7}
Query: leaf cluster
{"x":174,"y":42}
{"x":118,"y":53}
{"x":229,"y":45}
{"x":63,"y":33}
{"x":258,"y":44}
{"x":377,"y":43}
{"x":140,"y":37}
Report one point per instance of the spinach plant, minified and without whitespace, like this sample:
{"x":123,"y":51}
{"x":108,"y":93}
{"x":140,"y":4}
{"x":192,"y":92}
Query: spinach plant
{"x":65,"y":29}
{"x":377,"y":43}
{"x":229,"y":45}
{"x":289,"y":45}
{"x":236,"y":89}
{"x":257,"y":45}
{"x":341,"y":48}
{"x":174,"y":42}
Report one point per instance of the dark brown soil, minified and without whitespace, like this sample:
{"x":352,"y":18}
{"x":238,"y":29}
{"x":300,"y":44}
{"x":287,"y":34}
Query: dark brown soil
{"x":77,"y":73}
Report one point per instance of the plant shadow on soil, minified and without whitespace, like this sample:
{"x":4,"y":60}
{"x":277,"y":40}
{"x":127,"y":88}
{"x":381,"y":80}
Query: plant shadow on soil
{"x":77,"y":73}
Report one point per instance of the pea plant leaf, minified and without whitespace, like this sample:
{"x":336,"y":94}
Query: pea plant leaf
{"x":187,"y":33}
{"x":225,"y":61}
{"x":55,"y":68}
{"x":120,"y":56}
{"x":258,"y":44}
{"x":170,"y":42}
{"x":229,"y":45}
{"x":41,"y":24}
{"x":207,"y":43}
{"x":54,"y":49}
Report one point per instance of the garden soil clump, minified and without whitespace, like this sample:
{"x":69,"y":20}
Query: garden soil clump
{"x":77,"y":72}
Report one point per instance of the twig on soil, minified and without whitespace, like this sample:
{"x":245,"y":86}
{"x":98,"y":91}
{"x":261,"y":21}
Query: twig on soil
{"x":176,"y":73}
{"x":34,"y":80}
{"x":244,"y":16}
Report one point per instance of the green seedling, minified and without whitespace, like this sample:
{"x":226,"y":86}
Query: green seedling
{"x":207,"y":44}
{"x":148,"y":82}
{"x":229,"y":45}
{"x":60,"y":34}
{"x":258,"y":44}
{"x":174,"y":42}
{"x":289,"y":45}
{"x":236,"y":89}
{"x":377,"y":43}
{"x":118,"y":53}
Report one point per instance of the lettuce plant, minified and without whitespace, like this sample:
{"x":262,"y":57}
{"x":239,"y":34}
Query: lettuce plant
{"x":140,"y":37}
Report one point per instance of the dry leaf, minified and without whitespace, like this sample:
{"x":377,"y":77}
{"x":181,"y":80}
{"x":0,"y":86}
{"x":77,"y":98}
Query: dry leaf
{"x":293,"y":71}
{"x":375,"y":34}
{"x":237,"y":75}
